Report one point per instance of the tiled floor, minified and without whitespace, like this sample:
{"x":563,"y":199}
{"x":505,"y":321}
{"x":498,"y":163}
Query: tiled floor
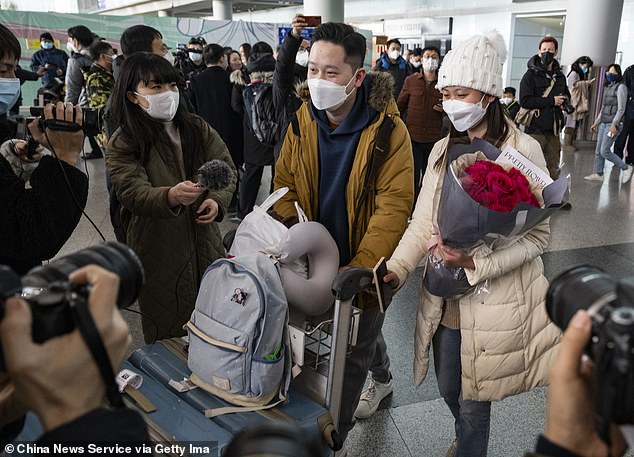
{"x":415,"y":421}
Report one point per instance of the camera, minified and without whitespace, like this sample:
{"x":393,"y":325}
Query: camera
{"x":51,"y":297}
{"x":567,"y":107}
{"x":180,"y":55}
{"x":53,"y":92}
{"x":610,"y":304}
{"x":91,"y":123}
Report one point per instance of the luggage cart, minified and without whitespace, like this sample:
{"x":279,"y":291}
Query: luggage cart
{"x":322,"y":349}
{"x":315,"y":397}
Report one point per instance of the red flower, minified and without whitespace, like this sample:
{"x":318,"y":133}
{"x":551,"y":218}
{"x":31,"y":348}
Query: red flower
{"x":496,"y":188}
{"x":500,"y":183}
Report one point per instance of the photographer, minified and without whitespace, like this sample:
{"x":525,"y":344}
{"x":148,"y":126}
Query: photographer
{"x":59,"y":379}
{"x":543,"y":88}
{"x":570,"y":426}
{"x":36,"y":222}
{"x":190,"y":61}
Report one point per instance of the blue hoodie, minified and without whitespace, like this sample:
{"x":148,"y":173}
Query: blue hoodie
{"x":337,"y":150}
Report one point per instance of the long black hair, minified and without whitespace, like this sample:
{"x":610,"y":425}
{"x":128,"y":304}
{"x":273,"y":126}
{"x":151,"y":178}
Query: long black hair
{"x":140,"y":131}
{"x":576,"y":67}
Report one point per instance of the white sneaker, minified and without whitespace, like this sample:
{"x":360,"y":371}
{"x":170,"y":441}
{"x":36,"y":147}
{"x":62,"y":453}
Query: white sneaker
{"x":371,"y":398}
{"x":626,"y":175}
{"x":594,"y":177}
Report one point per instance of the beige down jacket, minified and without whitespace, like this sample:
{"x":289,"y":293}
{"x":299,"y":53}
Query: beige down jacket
{"x":508,"y":342}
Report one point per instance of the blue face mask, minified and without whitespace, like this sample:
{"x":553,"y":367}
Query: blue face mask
{"x":611,"y":77}
{"x":585,"y":69}
{"x":46,"y":45}
{"x":9,"y":93}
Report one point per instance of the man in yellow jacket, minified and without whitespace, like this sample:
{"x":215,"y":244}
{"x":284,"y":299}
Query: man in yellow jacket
{"x":324,"y":162}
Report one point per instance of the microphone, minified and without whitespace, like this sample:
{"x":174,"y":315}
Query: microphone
{"x":214,"y":175}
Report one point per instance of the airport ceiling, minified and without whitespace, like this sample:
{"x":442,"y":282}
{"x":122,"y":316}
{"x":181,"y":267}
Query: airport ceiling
{"x":204,"y":8}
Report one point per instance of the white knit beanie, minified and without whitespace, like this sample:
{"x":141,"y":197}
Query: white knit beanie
{"x":477,"y":63}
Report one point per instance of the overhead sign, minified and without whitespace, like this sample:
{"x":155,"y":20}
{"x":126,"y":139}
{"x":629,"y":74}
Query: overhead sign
{"x":34,"y":43}
{"x":283,"y":31}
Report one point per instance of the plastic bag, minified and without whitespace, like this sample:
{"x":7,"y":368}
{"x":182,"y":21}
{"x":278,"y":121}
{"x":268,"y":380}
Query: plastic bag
{"x":259,"y":232}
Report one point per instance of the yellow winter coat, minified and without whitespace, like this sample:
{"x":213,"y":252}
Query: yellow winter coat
{"x":383,"y":219}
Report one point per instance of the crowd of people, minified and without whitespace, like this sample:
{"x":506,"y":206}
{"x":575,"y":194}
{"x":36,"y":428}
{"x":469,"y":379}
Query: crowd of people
{"x":313,"y":112}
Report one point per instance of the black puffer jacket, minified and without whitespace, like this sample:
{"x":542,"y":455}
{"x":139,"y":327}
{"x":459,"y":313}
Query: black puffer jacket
{"x":260,"y":67}
{"x":549,"y":118}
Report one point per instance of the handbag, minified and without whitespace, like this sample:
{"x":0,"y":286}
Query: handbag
{"x":525,"y":116}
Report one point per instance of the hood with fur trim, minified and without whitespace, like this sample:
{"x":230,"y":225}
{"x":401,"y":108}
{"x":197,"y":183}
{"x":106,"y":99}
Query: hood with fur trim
{"x":380,"y":83}
{"x":239,"y":78}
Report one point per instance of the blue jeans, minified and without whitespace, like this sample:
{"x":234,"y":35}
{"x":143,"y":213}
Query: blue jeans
{"x":472,"y":418}
{"x":603,"y":150}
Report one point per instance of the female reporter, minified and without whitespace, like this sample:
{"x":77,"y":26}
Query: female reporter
{"x":498,"y":342}
{"x":152,"y":160}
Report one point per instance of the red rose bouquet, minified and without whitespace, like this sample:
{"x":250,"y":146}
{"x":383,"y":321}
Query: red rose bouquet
{"x":489,"y":198}
{"x":496,"y":188}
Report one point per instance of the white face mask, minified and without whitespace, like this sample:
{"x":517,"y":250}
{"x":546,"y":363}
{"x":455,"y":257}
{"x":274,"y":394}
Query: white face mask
{"x":430,"y":64}
{"x":163,"y":105}
{"x":416,"y":63}
{"x":464,"y":115}
{"x":302,"y":58}
{"x":169,"y":57}
{"x":69,"y":46}
{"x":196,"y":57}
{"x":327,"y":95}
{"x":394,"y":54}
{"x":506,"y":100}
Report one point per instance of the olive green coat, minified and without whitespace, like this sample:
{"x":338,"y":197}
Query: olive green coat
{"x":174,"y":249}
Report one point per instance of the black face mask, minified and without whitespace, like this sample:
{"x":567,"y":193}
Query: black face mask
{"x":547,"y":58}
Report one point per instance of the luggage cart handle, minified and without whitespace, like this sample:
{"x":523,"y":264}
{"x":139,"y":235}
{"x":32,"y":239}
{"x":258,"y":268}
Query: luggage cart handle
{"x":350,"y":282}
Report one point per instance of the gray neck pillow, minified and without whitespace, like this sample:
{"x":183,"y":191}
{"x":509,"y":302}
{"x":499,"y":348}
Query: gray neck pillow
{"x":310,"y":294}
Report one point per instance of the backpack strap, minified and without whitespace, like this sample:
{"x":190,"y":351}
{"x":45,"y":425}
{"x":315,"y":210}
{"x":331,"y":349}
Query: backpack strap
{"x":550,"y":87}
{"x":215,"y":412}
{"x":379,"y":154}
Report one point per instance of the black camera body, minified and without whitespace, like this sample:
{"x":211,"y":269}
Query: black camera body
{"x":610,"y":304}
{"x":181,"y":54}
{"x":567,"y":107}
{"x":53,"y":92}
{"x":91,"y":121}
{"x":51,"y":297}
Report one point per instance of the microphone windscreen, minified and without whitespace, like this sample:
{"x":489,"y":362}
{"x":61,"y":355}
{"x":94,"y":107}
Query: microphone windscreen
{"x":215,"y":175}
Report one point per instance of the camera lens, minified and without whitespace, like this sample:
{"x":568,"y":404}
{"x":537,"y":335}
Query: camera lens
{"x":581,"y":287}
{"x":114,"y":257}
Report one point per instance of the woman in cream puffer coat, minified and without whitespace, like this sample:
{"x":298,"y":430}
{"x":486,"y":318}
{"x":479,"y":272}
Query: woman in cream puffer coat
{"x":492,"y":344}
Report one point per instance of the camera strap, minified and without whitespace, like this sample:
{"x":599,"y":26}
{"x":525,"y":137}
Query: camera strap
{"x":86,"y":325}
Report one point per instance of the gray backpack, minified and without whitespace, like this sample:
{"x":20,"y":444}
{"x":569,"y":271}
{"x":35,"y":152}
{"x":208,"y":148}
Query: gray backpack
{"x":239,"y":346}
